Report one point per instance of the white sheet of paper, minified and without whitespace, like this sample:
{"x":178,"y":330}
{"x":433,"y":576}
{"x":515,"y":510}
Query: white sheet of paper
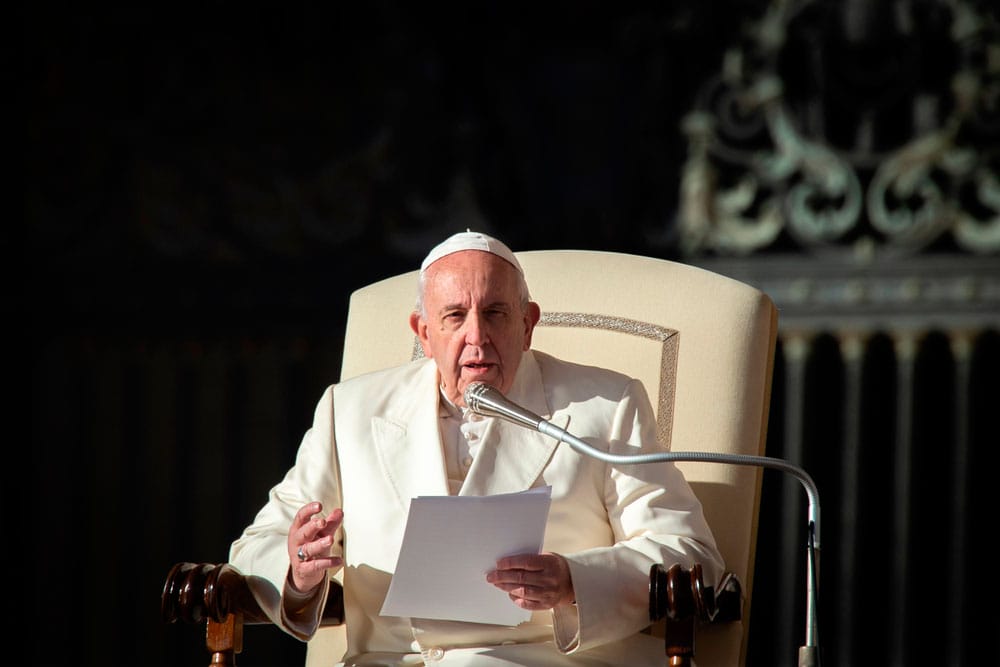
{"x":449,"y":545}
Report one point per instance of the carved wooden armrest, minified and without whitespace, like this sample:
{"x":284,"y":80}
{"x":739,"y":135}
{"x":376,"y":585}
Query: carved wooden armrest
{"x":219,"y":595}
{"x":682,"y":599}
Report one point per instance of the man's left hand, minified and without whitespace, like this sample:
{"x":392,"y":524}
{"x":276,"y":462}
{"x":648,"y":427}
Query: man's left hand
{"x":534,"y":581}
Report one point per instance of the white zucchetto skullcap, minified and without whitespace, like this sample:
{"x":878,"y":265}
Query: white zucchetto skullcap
{"x":468,"y":240}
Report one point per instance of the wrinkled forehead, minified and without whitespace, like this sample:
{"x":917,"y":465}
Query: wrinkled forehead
{"x":472,"y":274}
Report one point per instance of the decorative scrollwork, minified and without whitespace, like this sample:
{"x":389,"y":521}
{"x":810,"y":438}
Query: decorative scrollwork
{"x":763,"y":167}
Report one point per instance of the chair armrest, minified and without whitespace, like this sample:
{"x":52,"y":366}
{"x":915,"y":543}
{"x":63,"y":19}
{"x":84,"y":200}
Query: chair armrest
{"x":681,"y":598}
{"x":219,"y":595}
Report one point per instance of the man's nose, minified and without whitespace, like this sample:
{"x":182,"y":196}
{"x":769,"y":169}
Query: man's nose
{"x":475,"y":330}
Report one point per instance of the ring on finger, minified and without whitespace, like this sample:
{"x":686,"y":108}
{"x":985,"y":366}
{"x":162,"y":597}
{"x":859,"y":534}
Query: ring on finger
{"x":302,"y":555}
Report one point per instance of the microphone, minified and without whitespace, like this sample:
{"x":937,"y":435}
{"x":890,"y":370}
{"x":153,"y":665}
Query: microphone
{"x":489,"y":401}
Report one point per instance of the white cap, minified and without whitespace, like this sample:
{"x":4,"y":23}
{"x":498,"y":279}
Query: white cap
{"x":468,"y":240}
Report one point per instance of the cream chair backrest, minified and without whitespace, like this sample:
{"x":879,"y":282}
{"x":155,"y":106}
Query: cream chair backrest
{"x":702,"y":344}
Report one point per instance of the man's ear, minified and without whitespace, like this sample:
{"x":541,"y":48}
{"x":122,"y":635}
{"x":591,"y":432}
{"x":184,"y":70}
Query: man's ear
{"x":531,"y":316}
{"x":419,"y":327}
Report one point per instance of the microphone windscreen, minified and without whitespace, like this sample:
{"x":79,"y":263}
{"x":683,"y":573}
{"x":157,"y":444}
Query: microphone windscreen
{"x":472,"y":394}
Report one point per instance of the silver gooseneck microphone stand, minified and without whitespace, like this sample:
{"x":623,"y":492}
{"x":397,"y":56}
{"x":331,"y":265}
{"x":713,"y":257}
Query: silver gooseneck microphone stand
{"x":486,"y":400}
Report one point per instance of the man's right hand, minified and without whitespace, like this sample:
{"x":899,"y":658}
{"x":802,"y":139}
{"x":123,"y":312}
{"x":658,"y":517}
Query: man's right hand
{"x":309,"y":541}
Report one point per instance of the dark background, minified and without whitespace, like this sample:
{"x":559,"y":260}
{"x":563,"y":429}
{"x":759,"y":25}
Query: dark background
{"x":205,"y":186}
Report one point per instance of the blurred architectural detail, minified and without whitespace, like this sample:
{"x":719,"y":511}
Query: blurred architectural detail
{"x":845,"y":161}
{"x":841,"y":133}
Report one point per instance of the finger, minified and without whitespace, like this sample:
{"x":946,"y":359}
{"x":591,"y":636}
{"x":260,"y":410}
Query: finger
{"x":324,"y":529}
{"x":534,"y":600}
{"x":317,"y":564}
{"x":527,"y":595}
{"x":305,"y":515}
{"x":315,"y":525}
{"x":526,"y":590}
{"x":511,"y":586}
{"x":333,"y":521}
{"x":508,"y":578}
{"x":313,"y":549}
{"x":532,"y":562}
{"x":533,"y":606}
{"x":538,"y":578}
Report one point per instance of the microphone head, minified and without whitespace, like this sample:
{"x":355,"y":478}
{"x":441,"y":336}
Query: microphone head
{"x":487,"y":400}
{"x":472,"y":394}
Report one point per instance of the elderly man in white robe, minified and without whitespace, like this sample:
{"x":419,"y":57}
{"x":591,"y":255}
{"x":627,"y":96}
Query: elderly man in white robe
{"x":381,"y":439}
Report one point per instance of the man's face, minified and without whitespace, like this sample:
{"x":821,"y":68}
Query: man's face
{"x":474,"y":328}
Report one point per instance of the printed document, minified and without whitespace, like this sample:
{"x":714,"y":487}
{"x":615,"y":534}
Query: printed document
{"x":449,"y":545}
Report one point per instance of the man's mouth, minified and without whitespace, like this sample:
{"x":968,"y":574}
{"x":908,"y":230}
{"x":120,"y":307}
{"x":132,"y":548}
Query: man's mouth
{"x":478,"y":367}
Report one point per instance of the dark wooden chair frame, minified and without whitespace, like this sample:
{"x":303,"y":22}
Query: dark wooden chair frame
{"x":219,"y":596}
